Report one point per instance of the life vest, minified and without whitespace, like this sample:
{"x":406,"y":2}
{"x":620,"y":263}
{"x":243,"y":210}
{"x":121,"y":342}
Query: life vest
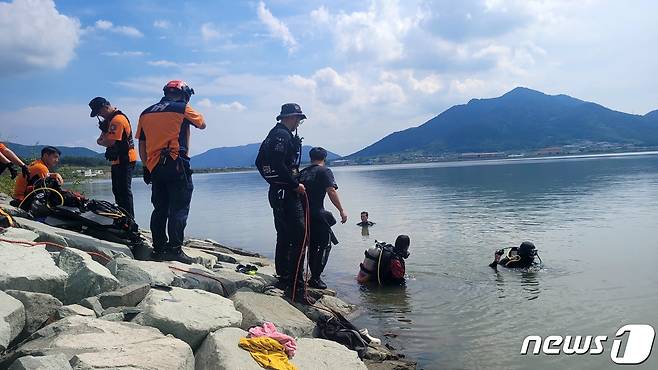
{"x":121,"y":148}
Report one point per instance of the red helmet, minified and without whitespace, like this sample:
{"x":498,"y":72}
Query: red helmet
{"x":179,"y":86}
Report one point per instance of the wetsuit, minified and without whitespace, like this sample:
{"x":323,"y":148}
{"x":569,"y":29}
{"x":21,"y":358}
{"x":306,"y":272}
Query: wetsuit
{"x":277,"y":163}
{"x":317,"y":179}
{"x":514,"y":259}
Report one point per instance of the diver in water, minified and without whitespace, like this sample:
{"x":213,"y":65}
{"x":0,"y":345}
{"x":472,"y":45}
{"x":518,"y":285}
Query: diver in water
{"x":522,"y":256}
{"x":384,"y":263}
{"x":364,"y":220}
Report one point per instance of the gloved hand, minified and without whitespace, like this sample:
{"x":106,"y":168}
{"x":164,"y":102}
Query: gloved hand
{"x":25,"y":171}
{"x":147,"y":176}
{"x":103,"y":125}
{"x":12,"y":170}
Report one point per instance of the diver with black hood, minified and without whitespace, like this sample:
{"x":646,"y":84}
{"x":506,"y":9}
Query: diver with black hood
{"x":522,"y":256}
{"x":384,"y":263}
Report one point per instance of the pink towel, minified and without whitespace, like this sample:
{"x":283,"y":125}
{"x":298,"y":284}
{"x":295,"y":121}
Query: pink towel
{"x":269,"y":330}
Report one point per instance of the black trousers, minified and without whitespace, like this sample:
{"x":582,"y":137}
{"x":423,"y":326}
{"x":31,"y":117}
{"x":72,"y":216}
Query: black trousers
{"x":171,"y":196}
{"x":122,"y":179}
{"x":319,"y":247}
{"x":288,"y":212}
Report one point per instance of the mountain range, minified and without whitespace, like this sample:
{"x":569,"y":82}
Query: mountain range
{"x":239,"y":156}
{"x":34,"y":151}
{"x":522,"y":119}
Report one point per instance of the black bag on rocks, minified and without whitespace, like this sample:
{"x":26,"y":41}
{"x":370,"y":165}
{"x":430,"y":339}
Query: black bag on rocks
{"x":340,"y":330}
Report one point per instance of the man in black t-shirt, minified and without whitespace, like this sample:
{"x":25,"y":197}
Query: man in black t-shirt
{"x":319,"y":181}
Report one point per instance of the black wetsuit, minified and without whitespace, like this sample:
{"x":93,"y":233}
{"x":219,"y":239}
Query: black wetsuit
{"x":277,"y":163}
{"x":366,"y":224}
{"x":317,"y":179}
{"x":521,"y":262}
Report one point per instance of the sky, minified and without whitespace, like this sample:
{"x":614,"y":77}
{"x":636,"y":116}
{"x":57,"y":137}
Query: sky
{"x":359,"y":69}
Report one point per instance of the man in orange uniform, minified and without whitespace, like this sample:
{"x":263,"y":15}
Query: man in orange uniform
{"x":116,"y":136}
{"x":8,"y":159}
{"x":164,"y":140}
{"x":39,"y":169}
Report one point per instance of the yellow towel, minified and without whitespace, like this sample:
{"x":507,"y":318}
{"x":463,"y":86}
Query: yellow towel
{"x":269,"y":353}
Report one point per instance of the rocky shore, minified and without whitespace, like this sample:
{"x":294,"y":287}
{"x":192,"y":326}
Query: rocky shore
{"x":71,"y":301}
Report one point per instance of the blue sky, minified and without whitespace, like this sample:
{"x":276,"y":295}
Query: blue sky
{"x":360,"y":69}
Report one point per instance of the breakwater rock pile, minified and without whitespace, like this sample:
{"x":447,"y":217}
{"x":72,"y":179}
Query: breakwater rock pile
{"x":71,"y":301}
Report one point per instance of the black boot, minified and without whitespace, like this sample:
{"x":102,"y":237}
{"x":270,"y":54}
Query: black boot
{"x":317,"y":283}
{"x":300,"y":297}
{"x":177,"y":254}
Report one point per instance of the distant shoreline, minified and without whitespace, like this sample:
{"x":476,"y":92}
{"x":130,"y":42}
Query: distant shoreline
{"x":457,"y":161}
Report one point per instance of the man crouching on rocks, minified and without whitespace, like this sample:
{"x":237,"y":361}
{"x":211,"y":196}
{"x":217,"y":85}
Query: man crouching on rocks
{"x":278,"y":163}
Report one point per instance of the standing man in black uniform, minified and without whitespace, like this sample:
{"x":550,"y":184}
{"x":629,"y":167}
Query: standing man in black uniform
{"x":319,"y":181}
{"x":278,"y":163}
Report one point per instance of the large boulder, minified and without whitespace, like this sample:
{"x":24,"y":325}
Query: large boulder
{"x":74,"y":310}
{"x":73,"y":239}
{"x":14,"y":233}
{"x":129,"y":295}
{"x":87,"y":277}
{"x":220,"y":351}
{"x":130,"y":272}
{"x":257,"y":282}
{"x":198,"y":277}
{"x":324,"y":306}
{"x":52,"y":362}
{"x":90,"y":343}
{"x":322,"y":354}
{"x":201,"y":257}
{"x":188,"y":315}
{"x":257,"y":308}
{"x":30,"y":269}
{"x":12,"y":319}
{"x":39,"y":308}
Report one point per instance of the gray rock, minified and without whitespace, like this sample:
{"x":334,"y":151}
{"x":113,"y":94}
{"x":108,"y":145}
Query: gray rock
{"x":30,"y":269}
{"x":86,"y":277}
{"x":53,"y":362}
{"x":74,"y":310}
{"x":14,"y":233}
{"x":129,"y":295}
{"x":93,"y":303}
{"x":323,"y":307}
{"x":257,"y":282}
{"x":258,"y":308}
{"x":200,"y":257}
{"x":12,"y":319}
{"x":321,"y":354}
{"x":198,"y":277}
{"x":188,"y":315}
{"x":115,"y":316}
{"x":220,"y":351}
{"x":39,"y":308}
{"x":131,"y":272}
{"x":390,"y":365}
{"x":73,"y":239}
{"x":99,"y":344}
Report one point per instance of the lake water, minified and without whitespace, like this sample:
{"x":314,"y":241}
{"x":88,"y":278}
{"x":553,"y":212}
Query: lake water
{"x":594,"y":221}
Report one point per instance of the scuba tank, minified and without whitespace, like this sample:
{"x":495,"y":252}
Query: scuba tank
{"x":369,"y":264}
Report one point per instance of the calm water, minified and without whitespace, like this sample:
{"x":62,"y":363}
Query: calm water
{"x":593,"y":220}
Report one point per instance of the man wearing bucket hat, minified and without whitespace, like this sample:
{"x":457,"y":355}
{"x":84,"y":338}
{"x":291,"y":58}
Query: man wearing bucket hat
{"x":278,"y":163}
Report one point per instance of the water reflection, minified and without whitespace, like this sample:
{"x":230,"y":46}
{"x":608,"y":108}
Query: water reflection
{"x":365,"y":232}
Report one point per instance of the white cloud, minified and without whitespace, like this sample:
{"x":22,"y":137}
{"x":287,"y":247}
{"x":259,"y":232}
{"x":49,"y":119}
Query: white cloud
{"x":124,"y":53}
{"x":234,"y":106}
{"x":163,"y":63}
{"x":209,"y":32}
{"x":276,"y":27}
{"x":378,"y":32}
{"x":162,"y":24}
{"x":34,"y":35}
{"x":105,"y":25}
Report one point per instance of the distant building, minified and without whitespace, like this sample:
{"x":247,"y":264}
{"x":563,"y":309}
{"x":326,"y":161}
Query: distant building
{"x":550,"y":151}
{"x":481,"y":155}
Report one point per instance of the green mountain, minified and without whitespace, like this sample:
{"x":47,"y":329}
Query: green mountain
{"x":239,"y":156}
{"x":522,"y":119}
{"x":34,"y":151}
